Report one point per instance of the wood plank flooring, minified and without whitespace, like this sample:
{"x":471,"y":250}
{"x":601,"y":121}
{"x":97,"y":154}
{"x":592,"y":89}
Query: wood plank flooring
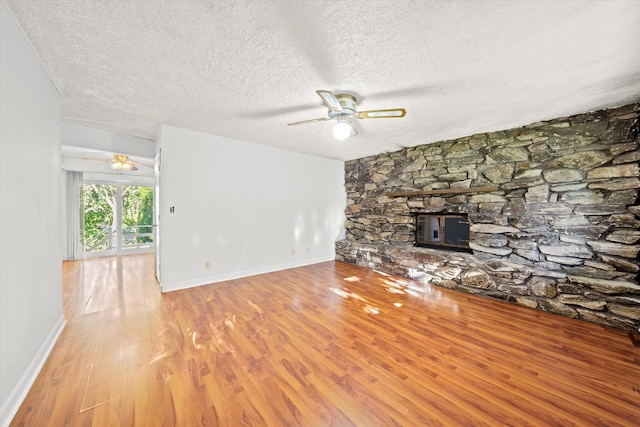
{"x":326,"y":345}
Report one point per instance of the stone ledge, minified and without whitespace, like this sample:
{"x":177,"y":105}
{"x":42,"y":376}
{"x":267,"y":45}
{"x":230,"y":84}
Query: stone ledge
{"x":541,"y":289}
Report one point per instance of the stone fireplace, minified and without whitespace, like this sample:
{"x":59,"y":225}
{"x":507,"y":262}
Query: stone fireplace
{"x":553,"y":209}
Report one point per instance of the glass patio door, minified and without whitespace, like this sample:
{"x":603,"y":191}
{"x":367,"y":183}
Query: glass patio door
{"x":117,"y":219}
{"x":137,"y":217}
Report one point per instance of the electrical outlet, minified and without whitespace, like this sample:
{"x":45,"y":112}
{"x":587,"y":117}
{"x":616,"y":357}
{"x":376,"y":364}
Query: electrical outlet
{"x":207,"y":265}
{"x":293,"y":251}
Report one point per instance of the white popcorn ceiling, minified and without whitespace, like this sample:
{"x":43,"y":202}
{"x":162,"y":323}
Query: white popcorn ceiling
{"x":245,"y":68}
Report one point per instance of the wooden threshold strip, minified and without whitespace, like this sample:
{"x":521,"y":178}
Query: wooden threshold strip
{"x":486,"y":189}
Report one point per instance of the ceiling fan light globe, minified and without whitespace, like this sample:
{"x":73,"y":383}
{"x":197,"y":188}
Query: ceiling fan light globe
{"x":122,"y":165}
{"x":342,"y":130}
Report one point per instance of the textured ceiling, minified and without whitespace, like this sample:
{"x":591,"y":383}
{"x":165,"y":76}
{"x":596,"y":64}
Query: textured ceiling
{"x":244,"y":69}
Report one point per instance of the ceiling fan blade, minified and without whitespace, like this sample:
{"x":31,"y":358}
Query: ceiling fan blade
{"x":100,"y":159}
{"x":330,"y":100}
{"x":304,"y":122}
{"x":382,"y":114}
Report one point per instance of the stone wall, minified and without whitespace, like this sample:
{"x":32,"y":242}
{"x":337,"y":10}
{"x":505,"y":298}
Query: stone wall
{"x":561,"y":233}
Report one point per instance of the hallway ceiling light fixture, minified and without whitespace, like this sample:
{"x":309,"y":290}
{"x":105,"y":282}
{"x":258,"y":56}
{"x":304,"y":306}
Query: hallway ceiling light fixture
{"x":122,"y":162}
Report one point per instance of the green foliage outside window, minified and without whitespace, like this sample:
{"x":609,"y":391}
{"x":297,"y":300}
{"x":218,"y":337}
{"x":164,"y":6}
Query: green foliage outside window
{"x":137,"y":215}
{"x":100,"y":210}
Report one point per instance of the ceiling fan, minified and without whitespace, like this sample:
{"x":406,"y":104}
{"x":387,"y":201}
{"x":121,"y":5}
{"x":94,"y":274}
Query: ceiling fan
{"x":120,"y":162}
{"x":344,"y":108}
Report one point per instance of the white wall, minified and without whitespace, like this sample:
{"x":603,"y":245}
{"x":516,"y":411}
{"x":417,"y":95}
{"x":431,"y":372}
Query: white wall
{"x":104,"y":140}
{"x":30,"y":219}
{"x":245,"y":208}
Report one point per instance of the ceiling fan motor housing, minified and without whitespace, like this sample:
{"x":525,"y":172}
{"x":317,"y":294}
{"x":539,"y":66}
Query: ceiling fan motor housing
{"x":348,"y":104}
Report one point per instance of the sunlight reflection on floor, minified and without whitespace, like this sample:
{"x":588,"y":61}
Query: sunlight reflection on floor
{"x":420,"y":289}
{"x":347,"y":294}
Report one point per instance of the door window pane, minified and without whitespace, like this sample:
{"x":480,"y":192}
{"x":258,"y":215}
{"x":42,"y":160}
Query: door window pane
{"x":99,"y":217}
{"x":137,"y":216}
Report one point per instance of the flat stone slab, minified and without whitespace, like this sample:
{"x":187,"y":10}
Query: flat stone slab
{"x":607,"y":286}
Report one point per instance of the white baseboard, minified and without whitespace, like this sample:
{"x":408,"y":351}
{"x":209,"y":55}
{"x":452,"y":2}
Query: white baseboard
{"x":19,"y":392}
{"x":175,"y":286}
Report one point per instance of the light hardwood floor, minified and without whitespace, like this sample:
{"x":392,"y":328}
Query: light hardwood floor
{"x":328,"y":344}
